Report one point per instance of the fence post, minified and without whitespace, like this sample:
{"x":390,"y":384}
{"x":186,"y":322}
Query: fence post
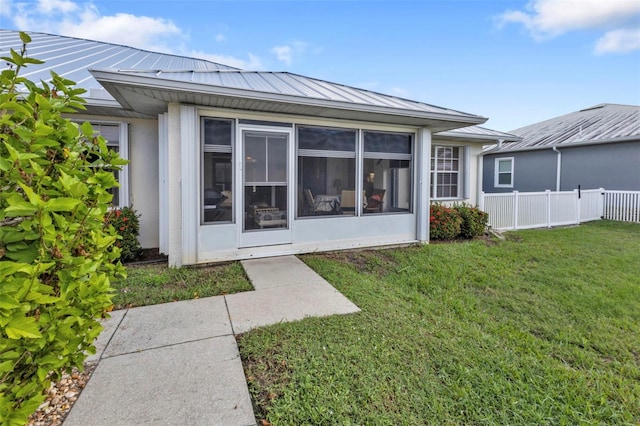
{"x":576,"y":192}
{"x":515,"y":209}
{"x":481,"y":201}
{"x":548,"y":199}
{"x":601,"y":206}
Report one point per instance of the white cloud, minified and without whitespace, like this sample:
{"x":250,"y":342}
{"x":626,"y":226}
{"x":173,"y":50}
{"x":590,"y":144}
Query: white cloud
{"x":84,"y":20}
{"x":252,"y":62}
{"x":618,"y":41}
{"x":283,"y":53}
{"x":287,"y":52}
{"x":220,"y":37}
{"x":545,"y":19}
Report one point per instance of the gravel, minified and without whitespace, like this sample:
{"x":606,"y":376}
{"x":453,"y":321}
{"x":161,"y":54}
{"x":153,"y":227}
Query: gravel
{"x":60,"y":397}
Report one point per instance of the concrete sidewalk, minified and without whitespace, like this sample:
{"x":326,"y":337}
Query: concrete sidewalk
{"x":178,"y":363}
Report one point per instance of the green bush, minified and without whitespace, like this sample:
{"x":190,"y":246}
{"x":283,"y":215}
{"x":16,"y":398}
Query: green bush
{"x":444,"y":223}
{"x":57,"y":255}
{"x":474,"y":220}
{"x":125,"y":222}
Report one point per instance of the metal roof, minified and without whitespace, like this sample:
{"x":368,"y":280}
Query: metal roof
{"x":603,"y":123}
{"x":144,"y":82}
{"x":72,"y":58}
{"x":477,"y":133}
{"x":290,"y":85}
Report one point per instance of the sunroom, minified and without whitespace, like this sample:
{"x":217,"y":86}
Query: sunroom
{"x":256,"y":164}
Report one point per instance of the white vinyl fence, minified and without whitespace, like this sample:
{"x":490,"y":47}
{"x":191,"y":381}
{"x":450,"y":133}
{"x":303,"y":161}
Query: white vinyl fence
{"x":622,"y":205}
{"x":523,"y":210}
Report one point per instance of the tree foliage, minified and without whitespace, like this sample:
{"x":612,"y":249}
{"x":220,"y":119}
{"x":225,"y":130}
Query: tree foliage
{"x":57,"y":254}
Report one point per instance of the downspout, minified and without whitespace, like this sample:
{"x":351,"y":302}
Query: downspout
{"x":558,"y":168}
{"x":479,"y":180}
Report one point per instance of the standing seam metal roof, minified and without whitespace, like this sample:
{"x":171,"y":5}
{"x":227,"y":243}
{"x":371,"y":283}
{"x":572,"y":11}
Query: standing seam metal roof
{"x":285,"y":83}
{"x":603,"y":122}
{"x":73,"y":57}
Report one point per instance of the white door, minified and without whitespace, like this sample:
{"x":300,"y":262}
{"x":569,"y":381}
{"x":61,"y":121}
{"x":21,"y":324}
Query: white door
{"x":266,"y":212}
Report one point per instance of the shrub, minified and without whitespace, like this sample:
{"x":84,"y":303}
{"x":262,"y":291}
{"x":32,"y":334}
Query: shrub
{"x":444,"y":222}
{"x":57,"y":255}
{"x":474,"y":220}
{"x":125,"y":222}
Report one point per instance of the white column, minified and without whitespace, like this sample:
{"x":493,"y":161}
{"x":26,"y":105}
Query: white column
{"x":190,"y":166}
{"x":163,"y":191}
{"x":174,"y":196}
{"x":423,"y":176}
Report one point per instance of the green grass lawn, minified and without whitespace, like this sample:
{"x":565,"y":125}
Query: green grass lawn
{"x":543,"y":328}
{"x":156,"y":283}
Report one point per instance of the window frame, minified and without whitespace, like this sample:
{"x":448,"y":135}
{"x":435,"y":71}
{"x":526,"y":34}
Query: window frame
{"x":497,"y":173}
{"x":217,"y":149}
{"x":123,"y":150}
{"x":385,"y":155}
{"x":461,"y":172}
{"x":321,"y":153}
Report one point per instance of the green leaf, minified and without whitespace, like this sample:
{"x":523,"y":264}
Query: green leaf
{"x":63,"y":204}
{"x":8,"y":302}
{"x":26,"y":38}
{"x":23,"y":327}
{"x":87,"y":129}
{"x":22,"y":208}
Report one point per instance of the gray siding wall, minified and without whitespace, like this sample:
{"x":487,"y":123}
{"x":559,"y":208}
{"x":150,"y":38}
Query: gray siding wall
{"x":532,"y":171}
{"x":614,"y":166}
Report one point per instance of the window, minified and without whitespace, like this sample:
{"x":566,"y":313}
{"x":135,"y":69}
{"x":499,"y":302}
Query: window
{"x":503,"y":176}
{"x":326,"y":171}
{"x":446,"y":175}
{"x":116,"y":136}
{"x":217,"y":171}
{"x":387,"y":172}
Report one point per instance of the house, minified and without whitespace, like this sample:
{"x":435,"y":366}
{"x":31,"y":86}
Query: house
{"x":231,"y":164}
{"x":597,"y":147}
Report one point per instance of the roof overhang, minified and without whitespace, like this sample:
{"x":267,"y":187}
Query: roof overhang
{"x":506,"y":150}
{"x":483,"y":139}
{"x":150,"y":96}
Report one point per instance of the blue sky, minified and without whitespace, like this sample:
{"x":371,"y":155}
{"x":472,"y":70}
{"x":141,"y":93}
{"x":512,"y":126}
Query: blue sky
{"x":516,"y":62}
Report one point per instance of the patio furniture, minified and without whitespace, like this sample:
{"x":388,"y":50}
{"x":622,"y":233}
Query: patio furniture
{"x":321,"y":204}
{"x":375,"y":201}
{"x":270,"y":217}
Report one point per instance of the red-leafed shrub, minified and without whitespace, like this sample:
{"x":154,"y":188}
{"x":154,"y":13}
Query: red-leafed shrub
{"x":444,"y":222}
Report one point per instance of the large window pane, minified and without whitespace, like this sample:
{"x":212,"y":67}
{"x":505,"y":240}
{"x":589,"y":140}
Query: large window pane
{"x":387,"y":172}
{"x":387,"y":185}
{"x":255,"y":158}
{"x":277,"y":164}
{"x":217,"y":171}
{"x":326,"y":171}
{"x":322,"y":184}
{"x":217,"y":178}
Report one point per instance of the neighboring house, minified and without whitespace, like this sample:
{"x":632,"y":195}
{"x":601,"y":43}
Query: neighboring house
{"x":231,"y":164}
{"x":597,"y":147}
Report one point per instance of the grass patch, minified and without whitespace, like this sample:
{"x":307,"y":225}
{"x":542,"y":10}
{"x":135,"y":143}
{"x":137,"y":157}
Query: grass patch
{"x":156,"y":283}
{"x":543,"y":328}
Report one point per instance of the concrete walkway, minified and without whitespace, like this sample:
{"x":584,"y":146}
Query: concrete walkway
{"x":178,"y":363}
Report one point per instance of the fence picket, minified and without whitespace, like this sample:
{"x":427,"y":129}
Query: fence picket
{"x":522,"y":210}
